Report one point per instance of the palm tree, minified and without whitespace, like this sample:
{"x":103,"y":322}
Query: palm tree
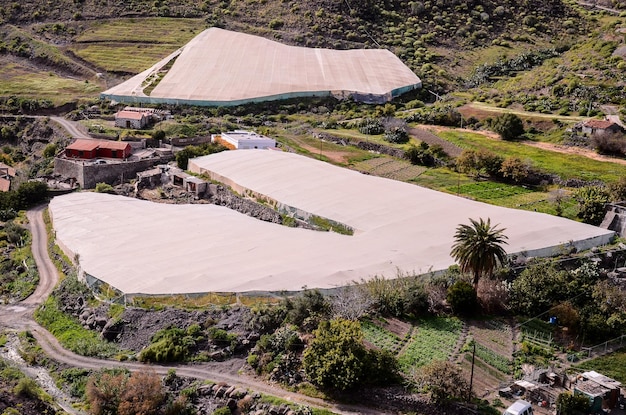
{"x":478,"y":248}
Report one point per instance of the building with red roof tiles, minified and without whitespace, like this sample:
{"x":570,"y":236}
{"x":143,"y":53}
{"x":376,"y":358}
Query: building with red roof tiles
{"x":90,"y":149}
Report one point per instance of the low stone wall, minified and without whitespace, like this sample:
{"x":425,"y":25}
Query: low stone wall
{"x":87,"y":174}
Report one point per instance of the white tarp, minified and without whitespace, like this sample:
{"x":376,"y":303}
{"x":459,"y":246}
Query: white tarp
{"x":143,"y":247}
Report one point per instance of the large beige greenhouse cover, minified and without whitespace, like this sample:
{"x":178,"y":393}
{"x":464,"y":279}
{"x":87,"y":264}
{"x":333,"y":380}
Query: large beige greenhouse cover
{"x":143,"y":247}
{"x":220,"y":67}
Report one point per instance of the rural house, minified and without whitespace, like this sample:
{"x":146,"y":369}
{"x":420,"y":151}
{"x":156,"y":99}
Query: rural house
{"x":6,"y":174}
{"x":90,"y":149}
{"x":600,"y":127}
{"x":243,"y":140}
{"x":134,"y":117}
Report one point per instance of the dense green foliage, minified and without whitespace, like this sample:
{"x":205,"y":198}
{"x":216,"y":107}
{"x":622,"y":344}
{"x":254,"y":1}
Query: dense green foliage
{"x":173,"y":344}
{"x":336,"y":359}
{"x":462,"y":298}
{"x":509,"y":126}
{"x":27,"y":194}
{"x":443,"y":380}
{"x":583,"y":298}
{"x":572,"y":404}
{"x":183,"y":156}
{"x":591,"y":202}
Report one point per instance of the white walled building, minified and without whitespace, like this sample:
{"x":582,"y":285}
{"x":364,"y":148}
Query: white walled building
{"x":243,"y":140}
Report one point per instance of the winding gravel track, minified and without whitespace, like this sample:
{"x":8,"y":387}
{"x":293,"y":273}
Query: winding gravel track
{"x":20,"y":317}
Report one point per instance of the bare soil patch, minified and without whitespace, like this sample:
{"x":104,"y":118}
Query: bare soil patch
{"x":426,"y":136}
{"x":335,"y":156}
{"x":397,"y":327}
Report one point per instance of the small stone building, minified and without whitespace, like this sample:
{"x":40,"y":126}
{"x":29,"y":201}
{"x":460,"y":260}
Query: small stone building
{"x":6,"y":174}
{"x":600,"y":127}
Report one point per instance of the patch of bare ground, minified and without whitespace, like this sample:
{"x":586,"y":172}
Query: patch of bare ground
{"x":398,"y":327}
{"x":431,"y":139}
{"x":335,"y":156}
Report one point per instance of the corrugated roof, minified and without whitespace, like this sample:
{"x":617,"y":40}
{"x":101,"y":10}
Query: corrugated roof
{"x":90,"y":145}
{"x":83,"y":145}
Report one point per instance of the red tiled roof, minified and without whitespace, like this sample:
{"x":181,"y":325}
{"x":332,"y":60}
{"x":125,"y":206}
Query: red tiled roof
{"x":600,"y":124}
{"x":10,"y":170}
{"x":83,"y":145}
{"x":113,"y":145}
{"x":90,"y":145}
{"x":130,"y":115}
{"x":5,"y":185}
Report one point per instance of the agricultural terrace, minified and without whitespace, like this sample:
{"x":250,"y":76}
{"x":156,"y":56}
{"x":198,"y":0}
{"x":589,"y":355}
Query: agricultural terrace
{"x":141,"y":247}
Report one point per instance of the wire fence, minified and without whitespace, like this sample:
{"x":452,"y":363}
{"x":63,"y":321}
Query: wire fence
{"x":606,"y":347}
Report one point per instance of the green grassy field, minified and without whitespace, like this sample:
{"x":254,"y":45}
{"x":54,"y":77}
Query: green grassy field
{"x":133,"y":45}
{"x":16,"y":79}
{"x":564,"y":165}
{"x":612,"y":365}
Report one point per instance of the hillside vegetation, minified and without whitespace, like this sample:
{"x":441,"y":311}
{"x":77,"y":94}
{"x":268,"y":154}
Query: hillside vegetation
{"x":442,"y":41}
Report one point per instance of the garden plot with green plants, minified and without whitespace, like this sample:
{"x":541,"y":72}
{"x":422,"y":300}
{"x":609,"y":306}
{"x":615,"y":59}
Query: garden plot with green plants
{"x":422,"y":342}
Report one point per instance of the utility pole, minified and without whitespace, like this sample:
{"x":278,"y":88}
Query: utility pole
{"x":469,"y":396}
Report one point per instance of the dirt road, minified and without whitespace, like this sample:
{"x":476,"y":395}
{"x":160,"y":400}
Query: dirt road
{"x":20,"y":317}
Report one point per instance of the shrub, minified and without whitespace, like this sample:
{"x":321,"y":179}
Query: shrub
{"x":462,"y":298}
{"x":27,"y":387}
{"x":104,"y":188}
{"x":509,"y":126}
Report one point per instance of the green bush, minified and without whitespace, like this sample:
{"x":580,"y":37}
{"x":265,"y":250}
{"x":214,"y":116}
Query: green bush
{"x":462,"y":298}
{"x":170,"y":345}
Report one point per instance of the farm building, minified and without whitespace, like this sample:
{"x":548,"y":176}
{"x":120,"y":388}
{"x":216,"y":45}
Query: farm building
{"x":243,"y":140}
{"x":133,"y":117}
{"x":223,"y":68}
{"x":600,"y":127}
{"x":6,"y":174}
{"x":90,"y":149}
{"x":398,"y":228}
{"x":602,"y":391}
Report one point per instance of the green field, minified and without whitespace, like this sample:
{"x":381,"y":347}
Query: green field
{"x":612,"y":365}
{"x":19,"y":80}
{"x":433,"y":339}
{"x":564,"y":165}
{"x":133,"y":45}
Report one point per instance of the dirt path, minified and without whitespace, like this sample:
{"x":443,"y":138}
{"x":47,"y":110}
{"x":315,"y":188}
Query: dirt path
{"x":584,"y":152}
{"x":19,"y":317}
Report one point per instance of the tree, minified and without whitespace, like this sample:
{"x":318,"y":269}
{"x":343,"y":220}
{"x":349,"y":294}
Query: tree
{"x":335,"y":359}
{"x":462,"y":298}
{"x":103,"y":392}
{"x":478,"y":248}
{"x":591,"y":202}
{"x":142,"y":395}
{"x":568,"y":403}
{"x":442,"y":379}
{"x":509,"y":126}
{"x":515,"y":169}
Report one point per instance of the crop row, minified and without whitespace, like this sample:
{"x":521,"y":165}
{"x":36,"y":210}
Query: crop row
{"x":493,"y":359}
{"x":381,"y":338}
{"x":434,"y":339}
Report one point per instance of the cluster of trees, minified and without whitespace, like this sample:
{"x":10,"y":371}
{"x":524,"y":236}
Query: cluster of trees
{"x":183,"y":156}
{"x":592,"y":200}
{"x":28,"y":194}
{"x":510,"y":169}
{"x":583,"y":299}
